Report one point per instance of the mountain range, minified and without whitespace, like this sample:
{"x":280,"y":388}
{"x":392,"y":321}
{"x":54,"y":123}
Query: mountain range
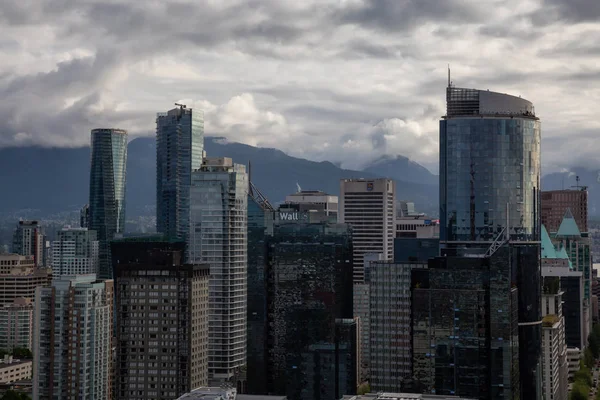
{"x":51,"y":180}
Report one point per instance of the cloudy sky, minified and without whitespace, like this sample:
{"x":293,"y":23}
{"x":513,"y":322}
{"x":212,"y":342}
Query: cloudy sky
{"x":340,"y":80}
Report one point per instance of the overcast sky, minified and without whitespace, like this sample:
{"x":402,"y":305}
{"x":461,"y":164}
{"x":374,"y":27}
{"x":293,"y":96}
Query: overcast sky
{"x":340,"y":80}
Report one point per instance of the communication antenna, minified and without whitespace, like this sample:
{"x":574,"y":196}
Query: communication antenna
{"x":577,"y":186}
{"x":449,"y":83}
{"x":298,"y":187}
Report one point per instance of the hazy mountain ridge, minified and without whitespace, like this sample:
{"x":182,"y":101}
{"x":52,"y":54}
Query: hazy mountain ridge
{"x":52,"y":180}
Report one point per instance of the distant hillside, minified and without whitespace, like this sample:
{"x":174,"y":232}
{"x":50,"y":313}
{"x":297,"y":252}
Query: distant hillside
{"x":402,"y":169}
{"x":54,"y":180}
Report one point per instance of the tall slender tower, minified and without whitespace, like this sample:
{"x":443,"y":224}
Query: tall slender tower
{"x":490,"y":197}
{"x":107,"y":191}
{"x":218,"y":237}
{"x":179,"y":147}
{"x":28,"y":240}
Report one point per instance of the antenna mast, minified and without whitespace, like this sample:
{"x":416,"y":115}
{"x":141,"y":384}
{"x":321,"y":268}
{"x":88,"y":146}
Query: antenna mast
{"x":449,"y":81}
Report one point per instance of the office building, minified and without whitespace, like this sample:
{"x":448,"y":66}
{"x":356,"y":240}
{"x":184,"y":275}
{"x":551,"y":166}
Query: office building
{"x":28,"y":240}
{"x":73,"y":339}
{"x":389,"y":325}
{"x":573,"y":361}
{"x":490,"y":194}
{"x":417,"y":226}
{"x":218,"y":237}
{"x":362,"y":311}
{"x":318,"y":205}
{"x":260,"y":227}
{"x":16,"y":324}
{"x":12,"y":370}
{"x":415,"y":249}
{"x":577,"y":246}
{"x":556,"y":202}
{"x":311,"y":334}
{"x":179,"y":151}
{"x":107,"y":191}
{"x":75,"y":252}
{"x":369,"y":206}
{"x":19,"y":277}
{"x":555,"y":374}
{"x":84,"y":216}
{"x":162,"y":320}
{"x":465,"y":326}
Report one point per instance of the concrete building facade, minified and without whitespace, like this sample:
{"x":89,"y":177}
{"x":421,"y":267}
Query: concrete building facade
{"x":16,"y":324}
{"x":75,"y":252}
{"x":369,"y":207}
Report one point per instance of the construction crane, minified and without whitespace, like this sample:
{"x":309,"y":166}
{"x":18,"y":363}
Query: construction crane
{"x":181,"y":105}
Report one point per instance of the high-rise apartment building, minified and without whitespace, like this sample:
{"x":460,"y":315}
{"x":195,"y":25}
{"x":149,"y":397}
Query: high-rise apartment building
{"x":489,"y":195}
{"x":16,"y":324}
{"x":84,"y":216}
{"x":107,"y":191}
{"x":162,"y":320}
{"x":179,"y":151}
{"x":555,"y":204}
{"x":390,"y":325}
{"x":75,"y":252}
{"x":73,"y":339}
{"x":311,"y":336}
{"x":369,"y":206}
{"x":19,"y":277}
{"x":28,"y":240}
{"x":218,"y":237}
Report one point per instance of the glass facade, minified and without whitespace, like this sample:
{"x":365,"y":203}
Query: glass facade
{"x":490,"y":193}
{"x":489,"y":175}
{"x":465,"y":327}
{"x":218,"y":237}
{"x":179,"y":148}
{"x":309,"y":282}
{"x":260,"y":226}
{"x":107,"y":191}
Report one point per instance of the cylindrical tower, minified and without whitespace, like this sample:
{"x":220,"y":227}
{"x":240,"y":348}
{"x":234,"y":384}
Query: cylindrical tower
{"x":107,"y":191}
{"x":489,"y":195}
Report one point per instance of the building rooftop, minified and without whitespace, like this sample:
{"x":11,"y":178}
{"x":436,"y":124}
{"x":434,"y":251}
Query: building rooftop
{"x":549,"y":320}
{"x":402,"y":396}
{"x":568,"y":227}
{"x":217,"y":393}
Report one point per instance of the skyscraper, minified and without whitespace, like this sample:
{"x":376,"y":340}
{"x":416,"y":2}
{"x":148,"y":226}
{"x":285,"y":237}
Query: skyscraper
{"x":312,"y":352}
{"x":167,"y":300}
{"x":179,"y":148}
{"x":28,"y":240}
{"x":218,"y":237}
{"x":73,"y":339}
{"x":75,"y":252}
{"x":107,"y":191}
{"x":490,"y":195}
{"x":369,"y":206}
{"x":389,"y":325}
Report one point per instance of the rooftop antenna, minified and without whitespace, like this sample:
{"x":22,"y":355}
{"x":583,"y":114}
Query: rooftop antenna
{"x":449,"y":82}
{"x":298,"y":187}
{"x":577,"y":186}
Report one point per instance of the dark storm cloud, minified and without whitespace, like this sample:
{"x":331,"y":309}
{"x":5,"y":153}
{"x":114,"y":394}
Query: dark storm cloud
{"x":403,"y":15}
{"x":573,"y":10}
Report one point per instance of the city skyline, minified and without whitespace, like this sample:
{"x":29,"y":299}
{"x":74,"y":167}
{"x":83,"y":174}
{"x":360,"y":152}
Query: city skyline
{"x":363,"y":75}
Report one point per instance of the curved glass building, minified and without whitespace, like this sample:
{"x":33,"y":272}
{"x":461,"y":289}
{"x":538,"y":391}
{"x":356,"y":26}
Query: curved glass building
{"x":490,"y":198}
{"x":107,"y":191}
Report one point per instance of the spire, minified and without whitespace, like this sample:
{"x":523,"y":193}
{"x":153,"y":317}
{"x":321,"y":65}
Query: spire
{"x":548,"y":250}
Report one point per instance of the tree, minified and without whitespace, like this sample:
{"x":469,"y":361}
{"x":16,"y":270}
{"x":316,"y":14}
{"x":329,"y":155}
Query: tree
{"x":588,"y":358}
{"x":21,"y":352}
{"x":364,"y":388}
{"x":579,"y":392}
{"x":583,"y":376}
{"x":13,"y":395}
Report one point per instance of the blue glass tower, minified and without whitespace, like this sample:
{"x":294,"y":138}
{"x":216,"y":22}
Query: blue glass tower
{"x":107,"y":191}
{"x":489,"y":198}
{"x":179,"y":148}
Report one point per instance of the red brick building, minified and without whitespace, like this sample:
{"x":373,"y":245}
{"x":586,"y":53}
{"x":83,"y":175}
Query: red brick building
{"x":555,"y":204}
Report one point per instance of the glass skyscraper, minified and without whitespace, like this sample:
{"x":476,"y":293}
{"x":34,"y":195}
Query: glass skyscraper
{"x":107,"y":191}
{"x":179,"y":148}
{"x":490,"y":197}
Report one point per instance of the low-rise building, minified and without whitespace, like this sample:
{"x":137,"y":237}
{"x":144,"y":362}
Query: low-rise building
{"x":573,"y":360}
{"x":12,"y":370}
